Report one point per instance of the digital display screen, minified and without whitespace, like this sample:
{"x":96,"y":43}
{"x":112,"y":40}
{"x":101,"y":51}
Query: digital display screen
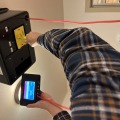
{"x":29,"y":90}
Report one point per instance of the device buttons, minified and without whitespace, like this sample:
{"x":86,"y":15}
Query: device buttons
{"x":10,"y":44}
{"x":6,"y":29}
{"x":38,"y":87}
{"x":38,"y":83}
{"x":11,"y":49}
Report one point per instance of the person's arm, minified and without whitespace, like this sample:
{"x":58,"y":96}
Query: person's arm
{"x":92,"y":68}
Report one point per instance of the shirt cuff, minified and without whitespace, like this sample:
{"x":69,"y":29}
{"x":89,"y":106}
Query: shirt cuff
{"x":40,"y":39}
{"x":64,"y":115}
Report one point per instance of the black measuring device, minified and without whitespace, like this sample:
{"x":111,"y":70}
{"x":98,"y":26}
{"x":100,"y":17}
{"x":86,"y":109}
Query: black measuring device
{"x":30,"y":89}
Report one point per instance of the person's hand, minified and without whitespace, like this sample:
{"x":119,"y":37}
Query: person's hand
{"x":42,"y":103}
{"x":46,"y":105}
{"x":31,"y":37}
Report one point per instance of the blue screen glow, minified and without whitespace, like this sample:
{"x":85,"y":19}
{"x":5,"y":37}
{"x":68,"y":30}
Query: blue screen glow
{"x":29,"y":90}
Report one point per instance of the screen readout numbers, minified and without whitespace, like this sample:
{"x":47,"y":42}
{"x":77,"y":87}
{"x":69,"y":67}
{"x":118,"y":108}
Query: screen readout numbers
{"x":29,"y":90}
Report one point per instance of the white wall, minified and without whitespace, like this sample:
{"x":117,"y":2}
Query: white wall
{"x":53,"y":79}
{"x":75,"y":10}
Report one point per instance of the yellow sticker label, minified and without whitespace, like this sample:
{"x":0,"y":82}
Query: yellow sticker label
{"x":20,"y":36}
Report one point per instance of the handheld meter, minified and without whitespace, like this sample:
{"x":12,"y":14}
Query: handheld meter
{"x":30,"y":89}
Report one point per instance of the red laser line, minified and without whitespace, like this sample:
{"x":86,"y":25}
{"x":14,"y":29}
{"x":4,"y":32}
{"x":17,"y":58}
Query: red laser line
{"x":74,"y":22}
{"x":54,"y":103}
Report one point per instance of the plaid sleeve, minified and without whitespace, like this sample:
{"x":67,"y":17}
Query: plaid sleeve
{"x":64,"y":115}
{"x":92,"y":68}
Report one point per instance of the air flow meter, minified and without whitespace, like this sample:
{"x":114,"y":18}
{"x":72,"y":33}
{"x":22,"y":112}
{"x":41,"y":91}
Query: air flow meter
{"x":15,"y":55}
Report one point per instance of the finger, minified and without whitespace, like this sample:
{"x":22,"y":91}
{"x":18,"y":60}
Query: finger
{"x":45,"y":95}
{"x":39,"y":104}
{"x":32,"y":105}
{"x":30,"y":43}
{"x":28,"y":34}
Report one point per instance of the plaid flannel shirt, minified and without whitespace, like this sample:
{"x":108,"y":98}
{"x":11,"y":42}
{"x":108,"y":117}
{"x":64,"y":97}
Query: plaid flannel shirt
{"x":62,"y":116}
{"x":92,"y":68}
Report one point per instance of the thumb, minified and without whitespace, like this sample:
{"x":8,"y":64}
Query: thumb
{"x":34,"y":105}
{"x":40,"y":104}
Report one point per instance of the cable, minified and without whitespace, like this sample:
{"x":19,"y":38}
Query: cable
{"x":74,"y":22}
{"x":3,"y":10}
{"x":54,"y":103}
